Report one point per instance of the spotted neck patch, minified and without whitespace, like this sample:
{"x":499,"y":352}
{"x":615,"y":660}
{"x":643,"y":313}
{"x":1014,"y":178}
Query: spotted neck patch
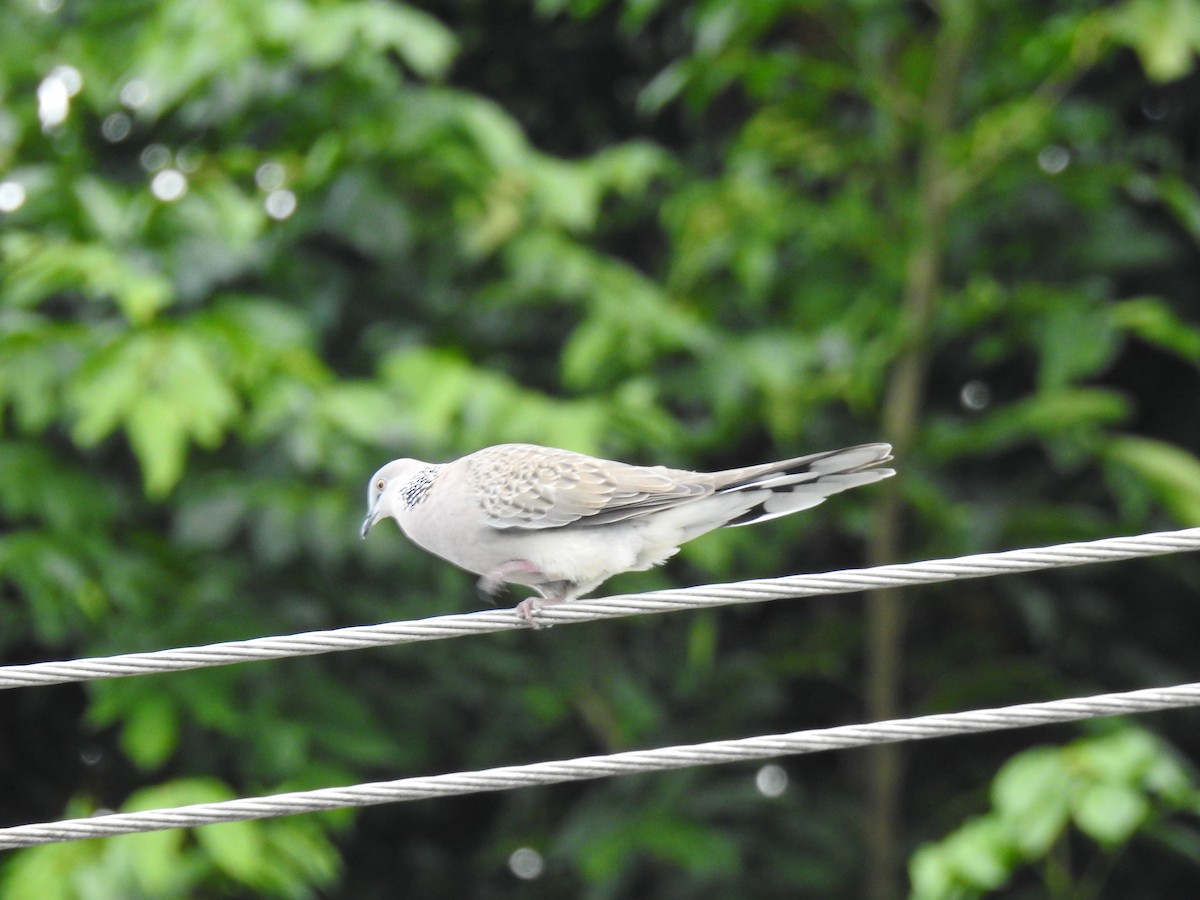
{"x":417,"y":488}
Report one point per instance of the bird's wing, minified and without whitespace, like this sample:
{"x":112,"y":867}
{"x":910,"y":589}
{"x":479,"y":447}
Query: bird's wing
{"x":526,"y":486}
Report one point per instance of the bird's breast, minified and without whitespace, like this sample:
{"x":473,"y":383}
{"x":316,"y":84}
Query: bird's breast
{"x":458,"y":533}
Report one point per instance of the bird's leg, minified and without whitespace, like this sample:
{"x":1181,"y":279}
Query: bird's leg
{"x":491,"y":584}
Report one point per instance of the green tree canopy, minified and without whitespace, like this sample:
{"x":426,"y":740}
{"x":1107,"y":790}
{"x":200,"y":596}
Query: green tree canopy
{"x":251,"y":250}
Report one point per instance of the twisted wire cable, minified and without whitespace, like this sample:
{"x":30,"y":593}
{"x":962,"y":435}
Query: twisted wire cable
{"x":706,"y":596}
{"x":591,"y":767}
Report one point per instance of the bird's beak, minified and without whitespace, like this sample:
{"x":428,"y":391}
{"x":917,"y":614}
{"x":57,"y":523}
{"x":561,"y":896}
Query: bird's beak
{"x":369,"y":521}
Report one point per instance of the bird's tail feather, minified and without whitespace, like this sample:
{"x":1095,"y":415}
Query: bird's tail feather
{"x":795,"y":484}
{"x":767,"y":491}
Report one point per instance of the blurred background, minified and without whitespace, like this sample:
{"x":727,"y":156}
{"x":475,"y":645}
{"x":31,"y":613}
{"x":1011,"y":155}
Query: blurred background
{"x":252,"y":249}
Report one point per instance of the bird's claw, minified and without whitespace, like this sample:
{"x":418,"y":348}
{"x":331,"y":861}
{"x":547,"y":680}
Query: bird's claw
{"x":528,"y":609}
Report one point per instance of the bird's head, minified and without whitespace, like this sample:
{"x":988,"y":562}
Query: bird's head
{"x":386,"y":488}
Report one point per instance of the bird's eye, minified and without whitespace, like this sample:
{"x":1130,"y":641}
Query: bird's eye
{"x":380,"y":484}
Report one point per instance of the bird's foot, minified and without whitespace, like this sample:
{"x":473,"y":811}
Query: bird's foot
{"x":528,"y":609}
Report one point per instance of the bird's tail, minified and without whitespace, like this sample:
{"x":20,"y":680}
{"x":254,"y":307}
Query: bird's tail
{"x":767,"y":491}
{"x":791,"y":485}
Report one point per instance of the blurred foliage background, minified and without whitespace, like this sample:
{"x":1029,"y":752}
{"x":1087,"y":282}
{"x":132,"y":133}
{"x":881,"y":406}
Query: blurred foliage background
{"x":251,"y":249}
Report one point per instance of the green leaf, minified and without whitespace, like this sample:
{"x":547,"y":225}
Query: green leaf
{"x":1167,"y":778}
{"x":1075,"y":339}
{"x":35,"y":362}
{"x":980,"y":853}
{"x":327,"y":35}
{"x":1165,"y":34}
{"x":108,"y":213}
{"x":178,"y":792}
{"x":152,"y":864}
{"x":423,"y":42}
{"x":1110,"y":813}
{"x":49,"y":872}
{"x":566,"y":195}
{"x":664,"y":88}
{"x":166,"y":387}
{"x":236,"y":848}
{"x":1171,"y":471}
{"x":41,"y":268}
{"x":1032,"y":794}
{"x":1152,"y":320}
{"x":493,"y":131}
{"x":150,"y":731}
{"x":1180,"y":197}
{"x":105,"y":388}
{"x":1125,"y":756}
{"x":931,"y":875}
{"x":298,"y":855}
{"x":630,"y":167}
{"x":158,"y":436}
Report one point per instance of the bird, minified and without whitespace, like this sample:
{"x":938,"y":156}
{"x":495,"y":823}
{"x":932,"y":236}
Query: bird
{"x":563,"y":523}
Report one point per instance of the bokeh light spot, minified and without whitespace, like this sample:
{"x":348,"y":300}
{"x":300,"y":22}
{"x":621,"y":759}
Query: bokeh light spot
{"x":12,"y":196}
{"x":526,"y":863}
{"x":280,"y":204}
{"x":54,"y":102}
{"x":135,"y":93}
{"x":771,"y":780}
{"x":169,"y":185}
{"x":269,"y":176}
{"x":155,"y":157}
{"x":1053,"y":159}
{"x":975,"y":395}
{"x":116,"y":127}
